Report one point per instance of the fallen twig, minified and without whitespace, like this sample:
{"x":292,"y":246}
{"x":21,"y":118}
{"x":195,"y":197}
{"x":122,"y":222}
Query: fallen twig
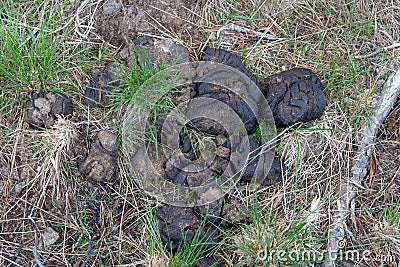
{"x":250,"y":34}
{"x":389,"y":95}
{"x":261,"y":35}
{"x":88,"y":253}
{"x":373,"y":53}
{"x":15,"y":256}
{"x":378,"y":49}
{"x":36,"y":256}
{"x":34,"y":250}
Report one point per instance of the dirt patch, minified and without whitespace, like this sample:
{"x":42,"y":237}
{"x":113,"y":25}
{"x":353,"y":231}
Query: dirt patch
{"x":120,"y":22}
{"x":147,"y":50}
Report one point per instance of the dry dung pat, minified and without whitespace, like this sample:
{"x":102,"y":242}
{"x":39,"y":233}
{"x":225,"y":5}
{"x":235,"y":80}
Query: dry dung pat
{"x":228,"y":58}
{"x":102,"y":85}
{"x":294,"y":96}
{"x":234,"y":212}
{"x":179,"y":226}
{"x":211,"y":212}
{"x":274,"y":175}
{"x":224,"y":94}
{"x":43,"y":108}
{"x":100,"y":163}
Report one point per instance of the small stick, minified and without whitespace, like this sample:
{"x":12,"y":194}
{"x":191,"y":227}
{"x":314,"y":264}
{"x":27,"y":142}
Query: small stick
{"x":373,"y":53}
{"x":261,"y":35}
{"x":36,"y":256}
{"x":34,"y":250}
{"x":336,"y":231}
{"x":378,"y":49}
{"x":88,"y":254}
{"x":15,"y":256}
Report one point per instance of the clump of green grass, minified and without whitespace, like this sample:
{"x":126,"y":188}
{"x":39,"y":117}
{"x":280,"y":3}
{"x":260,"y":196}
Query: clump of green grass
{"x":34,"y":50}
{"x":264,"y":241}
{"x":187,"y":254}
{"x":132,"y":79}
{"x":146,"y":95}
{"x":390,"y":215}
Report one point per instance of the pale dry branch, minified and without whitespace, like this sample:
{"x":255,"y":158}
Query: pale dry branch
{"x":389,"y":95}
{"x":261,"y":35}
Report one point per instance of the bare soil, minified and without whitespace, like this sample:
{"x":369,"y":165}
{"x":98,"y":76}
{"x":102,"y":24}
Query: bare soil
{"x":171,"y":19}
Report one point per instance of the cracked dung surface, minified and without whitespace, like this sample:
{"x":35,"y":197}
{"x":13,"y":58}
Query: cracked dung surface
{"x":100,"y":163}
{"x":44,"y":106}
{"x":294,"y":95}
{"x":225,"y":95}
